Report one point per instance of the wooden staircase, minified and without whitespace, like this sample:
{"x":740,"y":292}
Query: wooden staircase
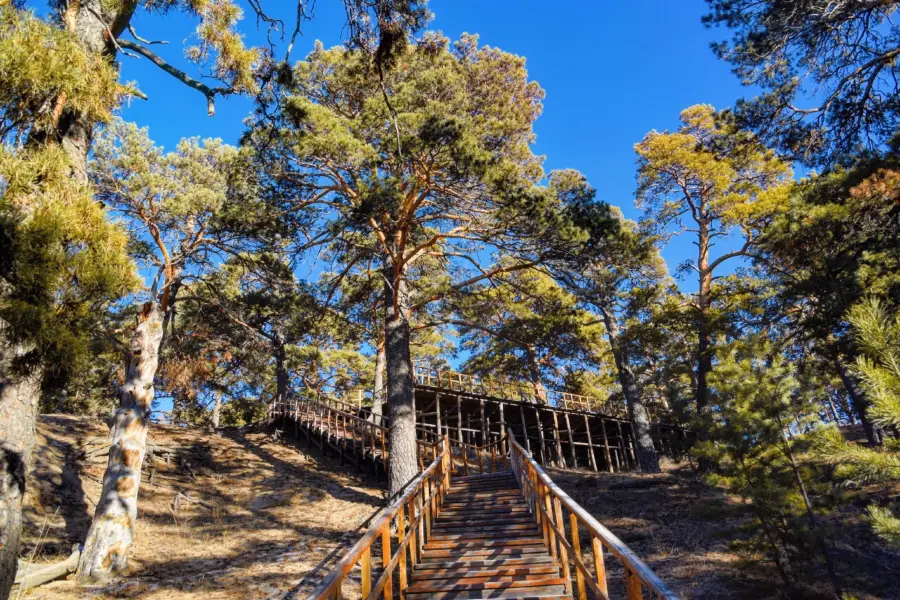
{"x":485,"y":543}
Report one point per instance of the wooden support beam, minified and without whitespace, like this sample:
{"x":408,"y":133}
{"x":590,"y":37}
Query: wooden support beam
{"x":544,"y":453}
{"x":609,"y":464}
{"x":484,"y":440}
{"x":437,"y":411}
{"x":459,"y":434}
{"x":525,"y":429}
{"x":571,"y":442}
{"x":591,"y":457}
{"x":560,"y":459}
{"x":622,"y":444}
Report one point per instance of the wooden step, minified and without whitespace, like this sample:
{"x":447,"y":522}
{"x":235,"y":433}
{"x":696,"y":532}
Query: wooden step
{"x":486,"y":562}
{"x":495,"y":571}
{"x":483,"y":553}
{"x":476,"y":583}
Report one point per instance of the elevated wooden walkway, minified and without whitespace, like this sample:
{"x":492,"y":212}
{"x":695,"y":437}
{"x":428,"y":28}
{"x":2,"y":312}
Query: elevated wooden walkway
{"x":563,"y":436}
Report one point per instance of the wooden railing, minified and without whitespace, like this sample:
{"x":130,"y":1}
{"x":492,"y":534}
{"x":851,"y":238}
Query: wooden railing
{"x":488,"y":458}
{"x":550,"y":506}
{"x":496,"y":387}
{"x":337,"y":420}
{"x":411,"y":517}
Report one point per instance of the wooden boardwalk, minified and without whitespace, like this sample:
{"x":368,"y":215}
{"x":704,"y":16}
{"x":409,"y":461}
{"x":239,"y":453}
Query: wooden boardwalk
{"x":485,"y":543}
{"x":510,"y":533}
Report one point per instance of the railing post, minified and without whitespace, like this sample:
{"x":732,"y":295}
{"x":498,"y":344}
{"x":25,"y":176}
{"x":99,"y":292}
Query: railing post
{"x":386,"y":558}
{"x":401,"y":533}
{"x":632,"y":585}
{"x":366,"y":563}
{"x":563,"y":553}
{"x":576,"y":546}
{"x":600,"y":565}
{"x":413,"y":543}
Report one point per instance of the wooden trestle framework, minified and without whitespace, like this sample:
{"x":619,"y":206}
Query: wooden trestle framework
{"x":472,"y":413}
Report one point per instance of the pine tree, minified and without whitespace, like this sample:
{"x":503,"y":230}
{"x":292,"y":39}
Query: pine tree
{"x":878,"y":334}
{"x":170,"y":203}
{"x":757,"y":442}
{"x":825,"y":94}
{"x":718,"y":179}
{"x":429,"y":160}
{"x":61,"y":259}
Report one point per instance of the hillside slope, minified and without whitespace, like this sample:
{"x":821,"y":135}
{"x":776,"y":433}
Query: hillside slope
{"x":237,"y":514}
{"x":693,"y":536}
{"x":226,"y":516}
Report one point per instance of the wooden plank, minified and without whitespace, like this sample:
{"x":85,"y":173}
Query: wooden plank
{"x":571,"y":443}
{"x":560,"y":459}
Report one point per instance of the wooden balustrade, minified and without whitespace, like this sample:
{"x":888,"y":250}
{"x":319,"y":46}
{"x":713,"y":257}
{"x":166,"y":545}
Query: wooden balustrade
{"x":410,"y":517}
{"x":495,"y":387}
{"x":488,"y":458}
{"x":550,"y":505}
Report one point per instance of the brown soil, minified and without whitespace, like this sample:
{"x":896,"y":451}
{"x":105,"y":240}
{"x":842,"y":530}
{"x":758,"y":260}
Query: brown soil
{"x":689,"y":534}
{"x":270,"y":521}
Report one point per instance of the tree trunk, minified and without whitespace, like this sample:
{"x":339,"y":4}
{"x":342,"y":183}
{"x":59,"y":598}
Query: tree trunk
{"x":112,"y":531}
{"x":217,"y":409}
{"x":19,"y":395}
{"x":534,"y":372}
{"x":704,"y":339}
{"x":648,"y":457}
{"x":874,"y":434}
{"x":400,"y":397}
{"x":281,"y":374}
{"x":378,"y":392}
{"x":811,"y":515}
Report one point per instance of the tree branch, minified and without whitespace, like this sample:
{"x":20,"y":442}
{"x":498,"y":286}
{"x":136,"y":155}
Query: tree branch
{"x":180,"y":75}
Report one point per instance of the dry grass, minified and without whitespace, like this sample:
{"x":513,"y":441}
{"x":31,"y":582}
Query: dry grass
{"x":685,"y":531}
{"x":270,"y":520}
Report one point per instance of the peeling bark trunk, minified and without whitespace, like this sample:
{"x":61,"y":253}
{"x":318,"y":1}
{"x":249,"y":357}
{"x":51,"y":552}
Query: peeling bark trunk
{"x":704,"y":337}
{"x":400,"y":397}
{"x":378,"y":393}
{"x":19,"y":395}
{"x":648,"y":457}
{"x":112,"y":531}
{"x":217,"y":409}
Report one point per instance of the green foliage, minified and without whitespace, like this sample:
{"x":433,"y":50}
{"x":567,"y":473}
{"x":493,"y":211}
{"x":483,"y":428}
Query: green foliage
{"x":710,"y":171}
{"x":62,"y":256}
{"x":760,"y":430}
{"x":825,"y":94}
{"x":45,"y":69}
{"x":529,"y":328}
{"x":878,"y":334}
{"x":443,"y":171}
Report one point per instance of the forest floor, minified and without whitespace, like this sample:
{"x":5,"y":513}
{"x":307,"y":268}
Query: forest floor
{"x":254,"y":517}
{"x":691,"y":535}
{"x":237,"y":514}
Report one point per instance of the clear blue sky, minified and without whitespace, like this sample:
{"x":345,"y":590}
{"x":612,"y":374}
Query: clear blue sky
{"x":612,"y":71}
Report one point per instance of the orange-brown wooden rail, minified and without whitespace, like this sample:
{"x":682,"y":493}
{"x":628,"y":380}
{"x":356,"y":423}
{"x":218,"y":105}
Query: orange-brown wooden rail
{"x":506,"y":534}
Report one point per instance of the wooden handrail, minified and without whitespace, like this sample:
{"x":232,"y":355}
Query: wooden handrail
{"x":514,"y":390}
{"x":548,"y":502}
{"x":411,"y":516}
